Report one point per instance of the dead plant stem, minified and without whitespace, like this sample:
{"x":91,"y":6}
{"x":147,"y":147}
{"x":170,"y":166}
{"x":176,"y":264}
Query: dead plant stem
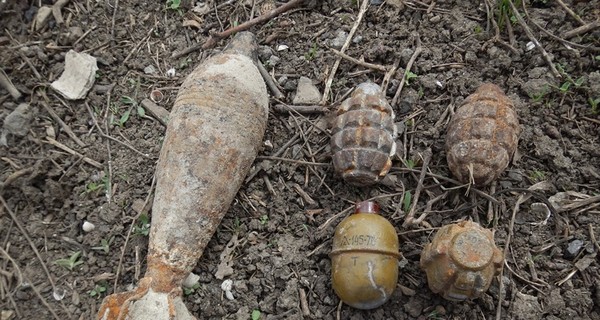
{"x":329,"y":82}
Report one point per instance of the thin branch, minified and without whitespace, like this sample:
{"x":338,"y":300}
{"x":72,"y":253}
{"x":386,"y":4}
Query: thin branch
{"x":361,"y":13}
{"x":412,"y":60}
{"x":212,"y":41}
{"x":583,"y":29}
{"x":571,"y":12}
{"x":361,"y":63}
{"x":531,"y":37}
{"x":427,"y":154}
{"x":269,"y":81}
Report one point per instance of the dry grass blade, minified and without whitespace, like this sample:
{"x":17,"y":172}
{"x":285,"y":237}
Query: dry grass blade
{"x":361,"y":13}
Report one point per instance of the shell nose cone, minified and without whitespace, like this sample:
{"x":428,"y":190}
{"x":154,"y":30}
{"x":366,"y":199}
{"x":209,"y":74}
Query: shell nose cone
{"x":243,"y":43}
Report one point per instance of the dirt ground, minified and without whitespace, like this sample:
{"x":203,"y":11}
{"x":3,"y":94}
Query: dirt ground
{"x":283,"y":218}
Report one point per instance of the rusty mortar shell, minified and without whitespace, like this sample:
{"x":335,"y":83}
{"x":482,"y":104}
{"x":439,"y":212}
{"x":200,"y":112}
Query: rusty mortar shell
{"x":363,"y":136}
{"x":461,"y":261}
{"x":364,"y":258}
{"x":214,"y":132}
{"x":482,"y":136}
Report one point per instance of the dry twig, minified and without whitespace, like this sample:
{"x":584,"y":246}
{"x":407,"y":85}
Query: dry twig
{"x":37,"y":254}
{"x":361,"y":13}
{"x":269,"y":81}
{"x":59,"y":145}
{"x":583,"y":29}
{"x":284,"y":108}
{"x":9,"y":86}
{"x":414,"y":56}
{"x":571,"y":12}
{"x":409,"y":220}
{"x":62,"y":124}
{"x":360,"y":63}
{"x":531,"y":37}
{"x":214,"y":38}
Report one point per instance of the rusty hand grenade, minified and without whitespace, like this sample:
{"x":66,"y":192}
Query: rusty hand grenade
{"x":363,"y":136}
{"x":461,"y":261}
{"x":364,"y":258}
{"x":482,"y":136}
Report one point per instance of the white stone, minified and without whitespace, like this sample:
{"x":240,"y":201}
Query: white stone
{"x":78,"y":77}
{"x":306,"y":92}
{"x":88,"y":226}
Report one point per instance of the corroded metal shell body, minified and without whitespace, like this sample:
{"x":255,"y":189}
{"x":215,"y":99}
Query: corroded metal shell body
{"x":482,"y":136}
{"x":461,"y":261}
{"x":364,"y":258}
{"x":363,"y":136}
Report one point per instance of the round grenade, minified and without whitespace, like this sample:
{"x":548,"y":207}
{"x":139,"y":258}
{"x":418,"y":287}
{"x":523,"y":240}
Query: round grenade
{"x":363,"y":136}
{"x":461,"y":261}
{"x":364,"y":259}
{"x":482,"y":136}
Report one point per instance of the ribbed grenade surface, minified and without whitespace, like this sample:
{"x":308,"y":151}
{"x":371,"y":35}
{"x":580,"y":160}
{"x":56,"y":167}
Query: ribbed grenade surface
{"x":482,"y":136}
{"x":363,"y":136}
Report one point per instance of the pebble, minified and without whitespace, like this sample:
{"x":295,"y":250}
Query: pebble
{"x":339,"y":40}
{"x":88,"y":226}
{"x":574,"y":247}
{"x":149,"y":69}
{"x":306,"y":92}
{"x":274,"y":60}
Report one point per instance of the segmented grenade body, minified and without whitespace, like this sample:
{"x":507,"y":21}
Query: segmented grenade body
{"x":364,"y":258}
{"x":482,"y":136}
{"x":461,"y":261}
{"x":363,"y":136}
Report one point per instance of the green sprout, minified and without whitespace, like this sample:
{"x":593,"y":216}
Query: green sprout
{"x":312,"y":52}
{"x":409,"y":75}
{"x":104,"y":245}
{"x":188,"y":291}
{"x":174,"y":4}
{"x":406,"y":202}
{"x":255,"y":314}
{"x":98,"y":290}
{"x":143,"y":226}
{"x":71,"y":262}
{"x":264,"y":219}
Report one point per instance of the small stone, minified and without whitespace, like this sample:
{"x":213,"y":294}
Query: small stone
{"x":306,"y":92}
{"x":150,"y":69}
{"x":526,"y":307}
{"x":339,"y":40}
{"x":191,"y":280}
{"x":264,"y":53}
{"x":78,"y":76}
{"x":88,"y":226}
{"x":435,"y":19}
{"x":74,"y":34}
{"x":552,"y":131}
{"x":574,"y":247}
{"x":357,"y":39}
{"x":274,"y":60}
{"x":41,"y":18}
{"x":16,"y":123}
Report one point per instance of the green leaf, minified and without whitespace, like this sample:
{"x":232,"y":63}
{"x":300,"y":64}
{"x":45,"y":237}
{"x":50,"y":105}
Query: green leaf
{"x":255,"y":314}
{"x":127,"y":100}
{"x":406,"y":202}
{"x":124,"y":118}
{"x":579,"y":82}
{"x":565,"y":87}
{"x":141,"y":111}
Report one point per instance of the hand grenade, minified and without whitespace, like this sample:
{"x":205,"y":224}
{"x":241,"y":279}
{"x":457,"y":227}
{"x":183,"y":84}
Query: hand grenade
{"x":364,"y":258}
{"x":363,"y":135}
{"x":482,"y":136}
{"x":461,"y":261}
